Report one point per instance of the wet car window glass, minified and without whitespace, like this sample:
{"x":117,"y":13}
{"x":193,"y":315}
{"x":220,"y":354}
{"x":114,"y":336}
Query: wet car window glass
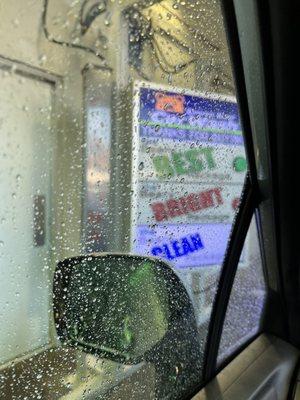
{"x":246,"y":305}
{"x":120,"y":132}
{"x":98,"y":119}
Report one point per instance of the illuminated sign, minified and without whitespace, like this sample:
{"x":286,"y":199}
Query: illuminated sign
{"x":168,"y":202}
{"x":165,"y":159}
{"x":189,"y":171}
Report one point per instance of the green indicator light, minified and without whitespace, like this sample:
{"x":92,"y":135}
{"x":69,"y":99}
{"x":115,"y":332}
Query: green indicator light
{"x":240,"y":164}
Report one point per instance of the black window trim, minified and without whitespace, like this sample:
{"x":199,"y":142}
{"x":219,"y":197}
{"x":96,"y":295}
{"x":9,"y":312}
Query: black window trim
{"x":239,"y":232}
{"x":250,"y":200}
{"x":261,"y":49}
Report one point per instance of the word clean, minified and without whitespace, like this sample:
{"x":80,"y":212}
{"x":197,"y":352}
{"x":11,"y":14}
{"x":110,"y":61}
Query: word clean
{"x":179,"y":248}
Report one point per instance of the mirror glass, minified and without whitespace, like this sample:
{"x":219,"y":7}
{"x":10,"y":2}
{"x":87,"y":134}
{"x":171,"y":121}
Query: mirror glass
{"x":116,"y":304}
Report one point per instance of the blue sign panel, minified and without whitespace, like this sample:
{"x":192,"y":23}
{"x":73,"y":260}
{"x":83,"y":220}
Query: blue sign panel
{"x":190,"y":118}
{"x":188,"y":245}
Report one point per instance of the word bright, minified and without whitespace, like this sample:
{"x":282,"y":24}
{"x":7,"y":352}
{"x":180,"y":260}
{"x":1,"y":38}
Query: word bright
{"x":193,"y":202}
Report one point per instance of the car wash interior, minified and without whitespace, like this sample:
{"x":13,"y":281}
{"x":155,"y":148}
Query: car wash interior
{"x":122,"y":133}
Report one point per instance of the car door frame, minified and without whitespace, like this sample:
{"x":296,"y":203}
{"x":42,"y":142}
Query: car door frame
{"x":250,"y":27}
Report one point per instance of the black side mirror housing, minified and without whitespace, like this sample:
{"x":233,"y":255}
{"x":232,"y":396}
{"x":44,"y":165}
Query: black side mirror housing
{"x":129,"y":309}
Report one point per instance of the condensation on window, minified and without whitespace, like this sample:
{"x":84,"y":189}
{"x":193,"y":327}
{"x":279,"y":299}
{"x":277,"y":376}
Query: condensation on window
{"x":246,"y":304}
{"x":98,"y":97}
{"x":120,"y":133}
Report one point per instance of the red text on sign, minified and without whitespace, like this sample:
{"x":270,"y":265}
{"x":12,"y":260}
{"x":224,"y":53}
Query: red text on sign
{"x":193,"y":202}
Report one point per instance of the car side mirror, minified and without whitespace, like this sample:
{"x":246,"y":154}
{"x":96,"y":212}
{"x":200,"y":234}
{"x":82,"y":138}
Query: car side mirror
{"x":127,"y":309}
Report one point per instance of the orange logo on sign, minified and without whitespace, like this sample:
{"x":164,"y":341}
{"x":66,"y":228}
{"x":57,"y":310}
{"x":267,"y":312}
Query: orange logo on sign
{"x":168,"y":103}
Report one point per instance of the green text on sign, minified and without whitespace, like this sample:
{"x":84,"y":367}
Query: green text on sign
{"x":184,"y":163}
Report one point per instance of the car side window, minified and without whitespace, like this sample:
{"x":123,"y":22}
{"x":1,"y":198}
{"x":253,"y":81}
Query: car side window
{"x":248,"y":294}
{"x":120,"y":133}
